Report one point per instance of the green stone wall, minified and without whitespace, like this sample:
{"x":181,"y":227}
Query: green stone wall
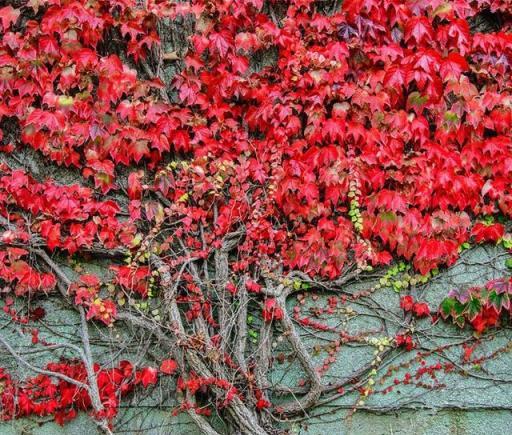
{"x":475,"y":402}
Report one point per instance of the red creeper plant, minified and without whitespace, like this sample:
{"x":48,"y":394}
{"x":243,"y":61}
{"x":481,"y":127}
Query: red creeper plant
{"x":215,"y":186}
{"x":481,"y":307}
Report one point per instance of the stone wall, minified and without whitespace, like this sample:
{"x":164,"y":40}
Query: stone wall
{"x":475,"y":399}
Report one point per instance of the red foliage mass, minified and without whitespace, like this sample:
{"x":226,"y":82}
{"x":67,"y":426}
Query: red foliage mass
{"x":381,"y":131}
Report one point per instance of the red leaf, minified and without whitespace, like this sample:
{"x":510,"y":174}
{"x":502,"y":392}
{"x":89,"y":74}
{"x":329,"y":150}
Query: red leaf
{"x":52,"y":121}
{"x":85,"y":58}
{"x":396,"y":77}
{"x":406,"y":303}
{"x":405,"y":341}
{"x":453,"y":66}
{"x":8,"y":15}
{"x":146,"y":376}
{"x":262,"y":404}
{"x":421,"y":309}
{"x":419,"y":29}
{"x":230,"y":287}
{"x":487,"y":233}
{"x":252,"y":286}
{"x":51,"y":232}
{"x":272,"y":310}
{"x":134,"y":185}
{"x":168,"y":366}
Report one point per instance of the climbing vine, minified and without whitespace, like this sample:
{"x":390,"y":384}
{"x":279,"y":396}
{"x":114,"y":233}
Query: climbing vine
{"x":231,"y":160}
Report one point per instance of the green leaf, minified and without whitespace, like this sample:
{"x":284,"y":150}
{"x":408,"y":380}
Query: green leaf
{"x":447,"y":307}
{"x":488,"y":220}
{"x":473,"y":308}
{"x":387,"y":216}
{"x":459,"y":308}
{"x":416,"y":99}
{"x":65,"y":101}
{"x":459,"y":321}
{"x":451,"y":116}
{"x":497,"y":300}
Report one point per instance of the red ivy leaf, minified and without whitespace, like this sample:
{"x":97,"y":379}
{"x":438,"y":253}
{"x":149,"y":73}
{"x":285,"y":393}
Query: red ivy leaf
{"x":168,"y":366}
{"x":146,"y":376}
{"x":41,"y":118}
{"x":487,"y":233}
{"x":406,"y":303}
{"x":421,"y":309}
{"x":8,"y":15}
